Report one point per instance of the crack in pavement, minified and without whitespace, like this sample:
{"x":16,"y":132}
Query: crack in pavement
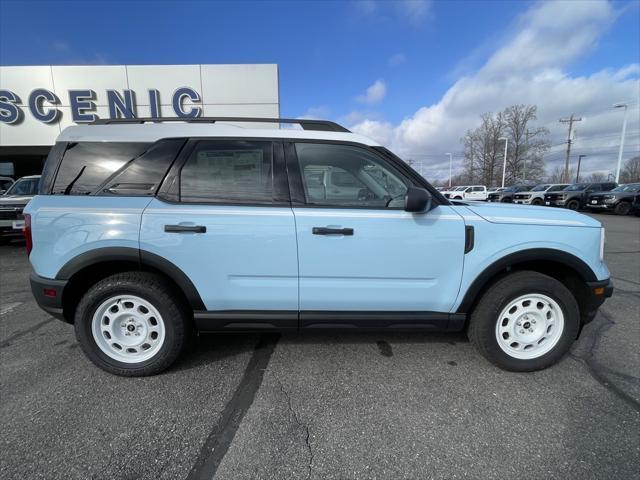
{"x":597,"y":370}
{"x":625,"y":280}
{"x":299,"y":422}
{"x":24,"y":332}
{"x":219,"y":440}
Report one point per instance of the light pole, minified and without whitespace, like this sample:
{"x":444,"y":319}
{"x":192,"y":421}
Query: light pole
{"x":624,"y":129}
{"x":450,"y":167}
{"x":504,"y":165}
{"x":580,"y":157}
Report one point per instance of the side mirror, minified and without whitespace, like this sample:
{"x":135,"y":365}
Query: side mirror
{"x":417,"y":200}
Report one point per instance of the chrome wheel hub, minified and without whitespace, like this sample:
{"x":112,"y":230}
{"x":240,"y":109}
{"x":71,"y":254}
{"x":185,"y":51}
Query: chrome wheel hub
{"x":529,"y":326}
{"x":128,"y":328}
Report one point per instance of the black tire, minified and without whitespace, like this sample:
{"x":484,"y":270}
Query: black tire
{"x":153,"y":289}
{"x":482,"y":325}
{"x":507,"y":200}
{"x":536,"y":201}
{"x":622,"y":208}
{"x":458,"y":198}
{"x":573,"y":205}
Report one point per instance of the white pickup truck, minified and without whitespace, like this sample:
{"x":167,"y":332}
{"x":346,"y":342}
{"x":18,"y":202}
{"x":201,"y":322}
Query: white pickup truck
{"x":472,"y":192}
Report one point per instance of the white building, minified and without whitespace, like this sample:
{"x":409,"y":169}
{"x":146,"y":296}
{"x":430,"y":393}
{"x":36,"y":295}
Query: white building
{"x":37,"y":102}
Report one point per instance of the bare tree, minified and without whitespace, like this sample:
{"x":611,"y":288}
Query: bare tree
{"x":631,"y":171}
{"x":483,"y":149}
{"x":527,"y":144}
{"x":557,"y":175}
{"x":596,"y":177}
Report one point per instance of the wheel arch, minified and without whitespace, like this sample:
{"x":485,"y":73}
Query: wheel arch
{"x":90,"y":267}
{"x":573,"y":272}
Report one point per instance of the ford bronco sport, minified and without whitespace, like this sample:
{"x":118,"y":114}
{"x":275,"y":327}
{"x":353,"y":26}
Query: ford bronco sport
{"x":144,"y":230}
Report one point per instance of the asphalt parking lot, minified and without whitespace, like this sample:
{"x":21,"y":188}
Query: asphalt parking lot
{"x":332,"y":406}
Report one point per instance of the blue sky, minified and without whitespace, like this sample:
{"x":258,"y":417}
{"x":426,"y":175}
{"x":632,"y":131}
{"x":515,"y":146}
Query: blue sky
{"x":415,"y":55}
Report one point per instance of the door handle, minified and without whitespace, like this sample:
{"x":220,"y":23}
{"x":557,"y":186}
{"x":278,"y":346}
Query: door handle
{"x":185,"y":229}
{"x":331,"y":231}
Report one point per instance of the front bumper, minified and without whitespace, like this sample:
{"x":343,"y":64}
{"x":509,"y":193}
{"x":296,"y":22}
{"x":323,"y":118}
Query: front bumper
{"x":598,"y":292}
{"x":48,"y":294}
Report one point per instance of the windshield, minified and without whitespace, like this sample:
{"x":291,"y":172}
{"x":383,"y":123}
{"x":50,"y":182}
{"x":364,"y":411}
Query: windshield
{"x":557,"y":188}
{"x":631,"y":187}
{"x":509,"y":189}
{"x":577,"y":186}
{"x":26,"y":186}
{"x":540,"y":188}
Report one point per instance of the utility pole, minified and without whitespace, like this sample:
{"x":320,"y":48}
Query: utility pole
{"x":580,"y":157}
{"x":504,"y":164}
{"x":524,"y":158}
{"x":570,"y":121}
{"x":450,"y":167}
{"x":624,"y":129}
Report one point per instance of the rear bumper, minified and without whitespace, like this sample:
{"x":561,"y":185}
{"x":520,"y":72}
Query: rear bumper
{"x":598,"y":292}
{"x":48,"y":294}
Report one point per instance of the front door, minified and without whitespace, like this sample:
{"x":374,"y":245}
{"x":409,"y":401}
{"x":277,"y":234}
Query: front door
{"x":362,"y":252}
{"x":223,"y":217}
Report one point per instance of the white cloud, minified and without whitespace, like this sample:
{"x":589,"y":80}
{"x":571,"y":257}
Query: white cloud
{"x":531,"y":67}
{"x":316,"y":113}
{"x":397,"y":59}
{"x":415,"y":10}
{"x":375,"y":93}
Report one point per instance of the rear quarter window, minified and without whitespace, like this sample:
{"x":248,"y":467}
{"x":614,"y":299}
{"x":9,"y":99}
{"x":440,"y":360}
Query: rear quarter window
{"x":86,"y":166}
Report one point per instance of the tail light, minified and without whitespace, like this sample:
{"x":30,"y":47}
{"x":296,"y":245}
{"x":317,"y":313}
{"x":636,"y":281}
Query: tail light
{"x":27,"y":233}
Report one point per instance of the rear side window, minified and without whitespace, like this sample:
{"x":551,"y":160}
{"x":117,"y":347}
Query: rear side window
{"x":143,"y":175}
{"x":86,"y":166}
{"x":228,"y":171}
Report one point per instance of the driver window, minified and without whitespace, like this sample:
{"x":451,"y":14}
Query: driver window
{"x":344,"y":175}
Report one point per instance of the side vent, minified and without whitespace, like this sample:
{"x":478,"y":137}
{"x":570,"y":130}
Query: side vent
{"x":469,"y":238}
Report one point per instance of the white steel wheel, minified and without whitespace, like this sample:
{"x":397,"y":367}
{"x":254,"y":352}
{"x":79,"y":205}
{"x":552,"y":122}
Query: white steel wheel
{"x":529,"y":326}
{"x":128,"y":329}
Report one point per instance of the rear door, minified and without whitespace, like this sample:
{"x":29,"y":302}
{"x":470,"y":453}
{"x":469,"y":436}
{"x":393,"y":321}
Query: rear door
{"x":361,"y":256}
{"x":223,"y":217}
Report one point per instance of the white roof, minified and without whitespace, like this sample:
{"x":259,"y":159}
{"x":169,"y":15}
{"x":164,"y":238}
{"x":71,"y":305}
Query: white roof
{"x":150,"y":132}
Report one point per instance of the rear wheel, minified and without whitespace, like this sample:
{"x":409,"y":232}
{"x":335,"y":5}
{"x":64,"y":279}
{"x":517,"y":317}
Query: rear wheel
{"x":131,"y":324}
{"x":622,"y":208}
{"x":573,"y":205}
{"x":526,"y":321}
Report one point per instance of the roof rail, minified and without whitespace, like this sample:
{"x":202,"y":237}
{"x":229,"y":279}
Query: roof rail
{"x":322,"y":125}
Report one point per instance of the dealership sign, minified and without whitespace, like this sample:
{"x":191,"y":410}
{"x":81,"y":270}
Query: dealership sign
{"x":42,"y":105}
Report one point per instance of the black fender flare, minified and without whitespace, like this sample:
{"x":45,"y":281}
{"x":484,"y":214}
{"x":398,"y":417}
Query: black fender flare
{"x":141,"y":258}
{"x":528,"y":255}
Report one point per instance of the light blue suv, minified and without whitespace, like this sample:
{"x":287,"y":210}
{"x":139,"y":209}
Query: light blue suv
{"x":144,"y":231}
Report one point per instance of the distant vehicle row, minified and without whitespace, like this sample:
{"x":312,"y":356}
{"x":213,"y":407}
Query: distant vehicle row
{"x":594,"y":196}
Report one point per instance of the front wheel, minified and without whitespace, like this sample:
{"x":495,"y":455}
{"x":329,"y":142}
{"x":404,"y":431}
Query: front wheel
{"x":536,"y":201}
{"x":130,"y":324}
{"x":526,"y":321}
{"x":573,"y":205}
{"x":623,"y":208}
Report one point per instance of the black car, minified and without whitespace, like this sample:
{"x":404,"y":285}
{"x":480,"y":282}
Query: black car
{"x":635,"y":206}
{"x":618,"y":200}
{"x":575,"y":196}
{"x":507,"y":194}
